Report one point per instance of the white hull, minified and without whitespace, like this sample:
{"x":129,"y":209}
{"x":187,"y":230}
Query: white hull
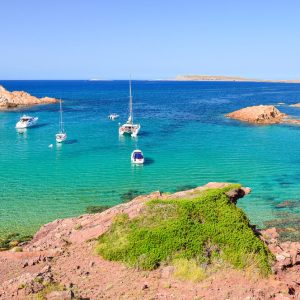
{"x":113,"y":117}
{"x":26,"y":124}
{"x":137,"y":157}
{"x":60,"y":137}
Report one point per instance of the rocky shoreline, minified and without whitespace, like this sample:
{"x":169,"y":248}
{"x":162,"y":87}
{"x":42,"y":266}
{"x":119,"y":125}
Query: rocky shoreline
{"x":60,"y":263}
{"x":17,"y":99}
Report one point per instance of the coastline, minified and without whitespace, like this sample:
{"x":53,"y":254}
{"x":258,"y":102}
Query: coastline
{"x":60,"y":261}
{"x":212,"y":78}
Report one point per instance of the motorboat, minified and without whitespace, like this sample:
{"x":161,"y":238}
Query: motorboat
{"x":137,"y":157}
{"x":129,"y":128}
{"x":26,"y":121}
{"x":113,"y":116}
{"x":61,"y":136}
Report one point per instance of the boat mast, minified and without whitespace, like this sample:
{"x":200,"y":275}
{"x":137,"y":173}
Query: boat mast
{"x":130,"y":104}
{"x":61,"y":124}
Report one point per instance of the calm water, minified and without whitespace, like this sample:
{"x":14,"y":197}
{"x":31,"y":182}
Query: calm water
{"x":185,"y":137}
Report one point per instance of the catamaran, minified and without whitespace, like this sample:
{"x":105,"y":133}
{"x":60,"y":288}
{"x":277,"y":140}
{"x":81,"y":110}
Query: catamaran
{"x":61,"y":136}
{"x":26,"y":121}
{"x":129,"y":127}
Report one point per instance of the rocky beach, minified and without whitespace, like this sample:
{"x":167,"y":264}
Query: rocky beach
{"x":60,"y":262}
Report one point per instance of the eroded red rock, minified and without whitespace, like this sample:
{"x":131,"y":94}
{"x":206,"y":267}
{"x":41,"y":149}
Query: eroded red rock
{"x":15,"y":99}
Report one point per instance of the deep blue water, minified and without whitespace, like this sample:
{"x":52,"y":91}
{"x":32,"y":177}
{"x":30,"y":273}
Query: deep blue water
{"x":184,"y":135}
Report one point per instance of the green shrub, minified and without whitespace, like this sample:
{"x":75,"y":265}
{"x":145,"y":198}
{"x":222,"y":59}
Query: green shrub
{"x":13,"y":240}
{"x":199,"y":230}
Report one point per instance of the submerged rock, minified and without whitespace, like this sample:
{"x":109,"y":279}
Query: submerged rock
{"x":287,"y":204}
{"x":15,"y":99}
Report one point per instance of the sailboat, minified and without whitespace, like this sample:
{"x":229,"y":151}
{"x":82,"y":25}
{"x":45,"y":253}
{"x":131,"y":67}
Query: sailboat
{"x":61,"y":136}
{"x":129,"y":127}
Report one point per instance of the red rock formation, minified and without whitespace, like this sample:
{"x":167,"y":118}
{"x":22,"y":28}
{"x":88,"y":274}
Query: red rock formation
{"x":19,"y":98}
{"x":261,"y":114}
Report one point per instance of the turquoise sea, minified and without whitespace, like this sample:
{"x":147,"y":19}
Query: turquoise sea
{"x":184,"y":135}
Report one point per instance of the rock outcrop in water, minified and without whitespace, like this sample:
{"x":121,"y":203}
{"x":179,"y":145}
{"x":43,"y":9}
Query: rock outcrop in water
{"x":16,"y":99}
{"x":60,"y":261}
{"x":261,"y":114}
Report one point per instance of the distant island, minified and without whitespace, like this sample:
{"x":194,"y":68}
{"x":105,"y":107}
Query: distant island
{"x":228,"y":78}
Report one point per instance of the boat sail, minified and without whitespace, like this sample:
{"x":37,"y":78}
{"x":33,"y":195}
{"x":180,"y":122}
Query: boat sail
{"x":129,"y":127}
{"x":61,"y":136}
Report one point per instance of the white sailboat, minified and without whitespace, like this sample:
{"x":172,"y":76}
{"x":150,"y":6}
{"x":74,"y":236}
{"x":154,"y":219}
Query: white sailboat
{"x":61,"y":136}
{"x":129,"y":127}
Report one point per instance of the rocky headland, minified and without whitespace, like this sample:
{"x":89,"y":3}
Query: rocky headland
{"x":261,"y":114}
{"x":16,"y":99}
{"x":229,"y":78}
{"x":295,"y":105}
{"x":61,"y":262}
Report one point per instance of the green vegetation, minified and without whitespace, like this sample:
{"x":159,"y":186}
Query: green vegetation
{"x":78,"y":226}
{"x":188,"y":269}
{"x":94,"y":209}
{"x":13,"y":240}
{"x":187,"y":233}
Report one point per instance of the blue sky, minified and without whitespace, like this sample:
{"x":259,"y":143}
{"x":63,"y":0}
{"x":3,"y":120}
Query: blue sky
{"x":81,"y":39}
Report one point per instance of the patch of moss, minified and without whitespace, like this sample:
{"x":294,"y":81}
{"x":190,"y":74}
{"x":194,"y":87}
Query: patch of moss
{"x":52,"y":287}
{"x":78,"y":226}
{"x":199,"y":230}
{"x":13,"y":240}
{"x":188,"y":269}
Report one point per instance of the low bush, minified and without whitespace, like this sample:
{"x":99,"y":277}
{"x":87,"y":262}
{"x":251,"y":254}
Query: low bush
{"x":13,"y":240}
{"x":191,"y":231}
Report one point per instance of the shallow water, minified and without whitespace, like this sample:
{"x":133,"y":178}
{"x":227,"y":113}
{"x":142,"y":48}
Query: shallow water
{"x":185,"y":138}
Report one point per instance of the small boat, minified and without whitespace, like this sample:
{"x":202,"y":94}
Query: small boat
{"x":61,"y":136}
{"x":26,"y":121}
{"x":137,"y":157}
{"x":113,"y":116}
{"x":129,"y":127}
